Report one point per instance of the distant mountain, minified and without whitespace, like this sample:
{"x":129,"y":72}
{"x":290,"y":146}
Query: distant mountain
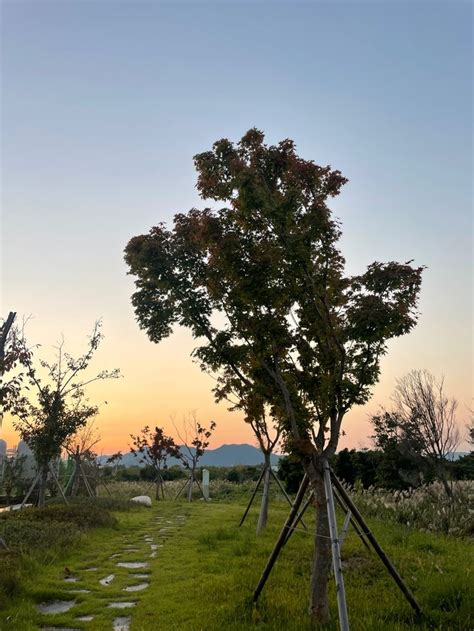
{"x":223,"y":456}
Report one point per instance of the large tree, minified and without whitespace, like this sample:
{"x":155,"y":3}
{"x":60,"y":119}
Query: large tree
{"x":260,"y":282}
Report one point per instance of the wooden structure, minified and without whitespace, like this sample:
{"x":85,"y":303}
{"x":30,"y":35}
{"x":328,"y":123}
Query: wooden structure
{"x":266,"y":475}
{"x":334,"y":490}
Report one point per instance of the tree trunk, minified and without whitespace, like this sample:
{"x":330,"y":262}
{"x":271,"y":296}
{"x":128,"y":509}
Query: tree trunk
{"x":441,"y":471}
{"x":262,"y":518}
{"x":157,"y":489}
{"x":319,"y":607}
{"x":191,"y":484}
{"x":42,"y":484}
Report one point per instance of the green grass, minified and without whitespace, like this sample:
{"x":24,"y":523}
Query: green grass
{"x":204,"y":576}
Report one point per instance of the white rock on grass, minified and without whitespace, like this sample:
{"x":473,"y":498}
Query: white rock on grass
{"x":144,"y":500}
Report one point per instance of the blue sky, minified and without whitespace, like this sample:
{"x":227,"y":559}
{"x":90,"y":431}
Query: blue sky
{"x":105,"y":103}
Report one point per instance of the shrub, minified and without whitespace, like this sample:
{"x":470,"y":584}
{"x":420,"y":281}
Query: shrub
{"x":426,"y":507}
{"x":10,"y":576}
{"x":83,"y":516}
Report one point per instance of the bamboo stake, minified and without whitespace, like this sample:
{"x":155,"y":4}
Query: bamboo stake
{"x":336,"y":552}
{"x":345,"y":527}
{"x":378,"y":549}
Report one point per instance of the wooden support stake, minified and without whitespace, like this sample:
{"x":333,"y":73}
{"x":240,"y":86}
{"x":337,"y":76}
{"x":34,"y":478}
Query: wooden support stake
{"x":202,"y":492}
{"x":71,"y":477}
{"x":55,"y":478}
{"x":378,"y":549}
{"x":282,"y":489}
{"x":253,"y":496}
{"x":30,"y":490}
{"x":86,"y":481}
{"x":182,"y":488}
{"x":352,"y":520}
{"x":336,"y":552}
{"x":282,"y":537}
{"x":345,"y":527}
{"x":299,"y":517}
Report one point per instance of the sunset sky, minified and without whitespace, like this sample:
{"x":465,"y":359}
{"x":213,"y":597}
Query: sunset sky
{"x":105,"y":103}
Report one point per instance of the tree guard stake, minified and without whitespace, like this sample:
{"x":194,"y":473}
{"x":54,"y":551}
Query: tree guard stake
{"x":336,"y":551}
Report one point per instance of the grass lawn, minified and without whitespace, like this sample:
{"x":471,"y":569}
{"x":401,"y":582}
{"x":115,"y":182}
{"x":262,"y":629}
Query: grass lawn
{"x":204,"y":575}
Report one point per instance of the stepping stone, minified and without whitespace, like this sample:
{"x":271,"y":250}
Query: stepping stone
{"x":152,"y":555}
{"x":132,"y":565}
{"x":121,"y":605}
{"x":153,"y":546}
{"x":107,"y":579}
{"x":140,"y":575}
{"x":80,"y":591}
{"x":136,"y":588}
{"x":128,"y":549}
{"x":85,"y":618}
{"x":121,"y":624}
{"x":117,"y":554}
{"x":56,"y":606}
{"x":71,"y":579}
{"x":91,"y":569}
{"x":58,"y":629}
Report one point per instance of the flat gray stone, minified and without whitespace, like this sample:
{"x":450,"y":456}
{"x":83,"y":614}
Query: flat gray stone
{"x":107,"y":579}
{"x":80,"y":591}
{"x":136,"y":588}
{"x":85,"y":618}
{"x":55,"y":606}
{"x":140,"y":575}
{"x":122,"y":605}
{"x":121,"y":624}
{"x":132,"y":565}
{"x":91,"y":569}
{"x":71,"y":579}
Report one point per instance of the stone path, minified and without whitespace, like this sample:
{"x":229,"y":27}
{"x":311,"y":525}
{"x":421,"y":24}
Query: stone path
{"x":131,"y":574}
